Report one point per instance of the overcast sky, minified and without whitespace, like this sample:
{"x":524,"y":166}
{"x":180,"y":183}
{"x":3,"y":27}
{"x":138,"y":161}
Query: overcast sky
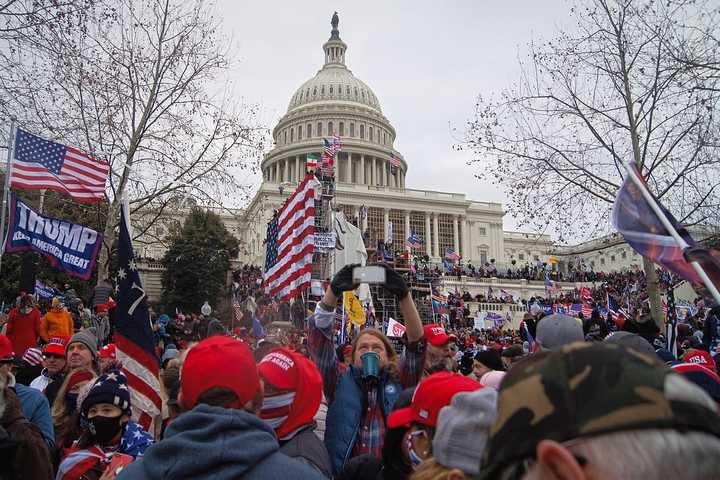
{"x":425,"y":60}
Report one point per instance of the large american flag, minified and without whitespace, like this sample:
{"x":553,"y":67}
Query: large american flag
{"x":44,"y":164}
{"x":290,"y":243}
{"x":394,"y":161}
{"x":133,"y":333}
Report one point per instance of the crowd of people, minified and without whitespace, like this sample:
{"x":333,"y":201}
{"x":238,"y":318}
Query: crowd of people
{"x":242,"y":398}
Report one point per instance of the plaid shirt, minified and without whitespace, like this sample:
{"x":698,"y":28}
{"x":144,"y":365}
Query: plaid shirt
{"x":322,"y":350}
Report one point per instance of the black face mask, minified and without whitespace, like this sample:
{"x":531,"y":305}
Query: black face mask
{"x":71,"y":401}
{"x":104,"y":429}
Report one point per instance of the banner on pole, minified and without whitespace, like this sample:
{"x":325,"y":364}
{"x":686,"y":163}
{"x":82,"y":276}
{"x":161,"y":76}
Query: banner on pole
{"x":395,"y":328}
{"x":69,"y":247}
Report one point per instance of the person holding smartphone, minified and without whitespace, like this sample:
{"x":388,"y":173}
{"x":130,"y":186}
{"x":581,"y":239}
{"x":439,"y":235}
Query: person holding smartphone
{"x":361,"y":396}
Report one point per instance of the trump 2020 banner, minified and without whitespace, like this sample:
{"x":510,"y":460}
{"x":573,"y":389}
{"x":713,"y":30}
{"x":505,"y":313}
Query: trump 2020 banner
{"x":69,"y":247}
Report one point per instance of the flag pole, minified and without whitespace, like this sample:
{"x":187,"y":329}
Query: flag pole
{"x":6,"y":187}
{"x":669,"y":227}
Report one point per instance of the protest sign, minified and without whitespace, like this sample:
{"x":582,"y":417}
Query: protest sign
{"x":69,"y":247}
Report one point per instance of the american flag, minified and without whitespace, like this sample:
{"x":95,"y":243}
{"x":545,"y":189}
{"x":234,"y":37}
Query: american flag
{"x":44,"y":164}
{"x":394,"y":161}
{"x":586,"y":293}
{"x":133,"y":333}
{"x":290,"y":243}
{"x":414,"y":240}
{"x":586,"y":310}
{"x":330,"y":149}
{"x":452,"y":255}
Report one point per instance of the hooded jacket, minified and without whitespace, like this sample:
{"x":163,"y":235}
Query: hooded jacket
{"x":220,"y":444}
{"x":23,"y":329}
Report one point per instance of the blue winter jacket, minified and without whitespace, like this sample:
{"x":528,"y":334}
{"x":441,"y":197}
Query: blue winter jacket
{"x":35,"y":408}
{"x":345,"y":414}
{"x":220,"y":444}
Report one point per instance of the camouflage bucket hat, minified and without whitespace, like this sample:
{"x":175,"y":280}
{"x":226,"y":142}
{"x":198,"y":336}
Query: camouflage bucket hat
{"x":587,"y":389}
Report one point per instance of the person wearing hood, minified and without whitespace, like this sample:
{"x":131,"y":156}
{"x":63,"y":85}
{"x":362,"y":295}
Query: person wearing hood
{"x":57,"y":322}
{"x":23,"y":326}
{"x":292,"y":396}
{"x":220,"y":435}
{"x":107,"y":430}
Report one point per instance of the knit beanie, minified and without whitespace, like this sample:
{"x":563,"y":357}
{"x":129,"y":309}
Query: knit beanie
{"x":112,"y":388}
{"x":463,"y":428}
{"x":87,"y":339}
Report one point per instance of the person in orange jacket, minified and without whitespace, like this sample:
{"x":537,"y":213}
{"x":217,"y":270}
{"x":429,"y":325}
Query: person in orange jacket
{"x":57,"y":322}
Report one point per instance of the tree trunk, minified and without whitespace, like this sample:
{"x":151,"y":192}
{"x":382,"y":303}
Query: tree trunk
{"x":653,"y":293}
{"x":103,"y":262}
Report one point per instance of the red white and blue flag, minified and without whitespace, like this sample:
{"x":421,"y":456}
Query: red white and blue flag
{"x":394,"y":161}
{"x":290,"y":243}
{"x":586,"y":310}
{"x":329,"y":151}
{"x":452,"y":254}
{"x":134,"y":342}
{"x":645,"y":232}
{"x":586,"y":293}
{"x":44,"y":164}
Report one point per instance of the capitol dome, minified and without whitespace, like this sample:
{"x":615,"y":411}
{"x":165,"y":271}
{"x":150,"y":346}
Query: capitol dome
{"x":334,"y":83}
{"x":335,"y":102}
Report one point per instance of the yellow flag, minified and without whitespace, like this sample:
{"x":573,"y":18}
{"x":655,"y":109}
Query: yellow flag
{"x":354,"y":310}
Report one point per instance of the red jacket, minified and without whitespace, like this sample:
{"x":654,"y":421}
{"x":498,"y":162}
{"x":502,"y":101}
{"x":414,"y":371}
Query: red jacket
{"x":23,"y":330}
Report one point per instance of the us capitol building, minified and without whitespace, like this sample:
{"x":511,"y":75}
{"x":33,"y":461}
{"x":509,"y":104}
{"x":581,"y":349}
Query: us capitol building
{"x":335,"y":101}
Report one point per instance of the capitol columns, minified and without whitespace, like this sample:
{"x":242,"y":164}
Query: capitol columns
{"x":297,"y":169}
{"x":436,"y":236}
{"x":286,"y":175}
{"x":456,"y":236}
{"x":373,"y":179}
{"x":386,"y":221}
{"x":407,"y":225}
{"x":465,"y":238}
{"x":383,"y":164}
{"x":348,"y":177}
{"x":362,"y":169}
{"x":427,"y":235}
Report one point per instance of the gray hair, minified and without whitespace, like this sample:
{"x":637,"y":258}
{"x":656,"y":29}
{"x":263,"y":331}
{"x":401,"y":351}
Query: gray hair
{"x":654,"y":453}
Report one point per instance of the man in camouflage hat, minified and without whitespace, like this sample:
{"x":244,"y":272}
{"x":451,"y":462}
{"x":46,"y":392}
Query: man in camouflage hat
{"x":591,"y":411}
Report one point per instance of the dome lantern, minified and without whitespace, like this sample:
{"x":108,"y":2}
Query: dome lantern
{"x":335,"y":48}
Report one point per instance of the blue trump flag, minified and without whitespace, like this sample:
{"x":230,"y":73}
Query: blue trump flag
{"x":134,"y":342}
{"x":69,"y":247}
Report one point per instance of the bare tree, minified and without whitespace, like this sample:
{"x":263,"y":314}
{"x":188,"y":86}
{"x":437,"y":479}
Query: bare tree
{"x":594,"y":97}
{"x":137,"y":83}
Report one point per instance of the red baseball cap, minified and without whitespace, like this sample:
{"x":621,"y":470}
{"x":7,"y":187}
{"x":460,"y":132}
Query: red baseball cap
{"x":700,"y":357}
{"x":6,"y":349}
{"x":108,"y":351}
{"x":218,"y":362}
{"x":436,"y":335}
{"x":432,"y":394}
{"x":280,"y":369}
{"x":56,"y":346}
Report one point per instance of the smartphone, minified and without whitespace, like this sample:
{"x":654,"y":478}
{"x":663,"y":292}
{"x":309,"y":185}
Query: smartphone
{"x":119,"y":461}
{"x":372,"y":274}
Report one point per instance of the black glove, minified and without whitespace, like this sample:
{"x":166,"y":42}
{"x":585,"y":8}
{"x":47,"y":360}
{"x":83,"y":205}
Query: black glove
{"x":395,"y":283}
{"x":343,"y":280}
